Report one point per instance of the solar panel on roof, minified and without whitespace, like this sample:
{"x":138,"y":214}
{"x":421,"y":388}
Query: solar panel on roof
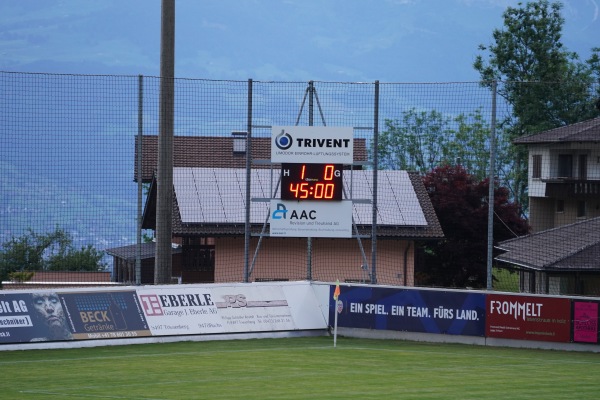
{"x":217,"y":195}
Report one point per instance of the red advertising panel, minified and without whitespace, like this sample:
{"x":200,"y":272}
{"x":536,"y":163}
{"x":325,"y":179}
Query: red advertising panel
{"x":585,"y":322}
{"x":528,"y":318}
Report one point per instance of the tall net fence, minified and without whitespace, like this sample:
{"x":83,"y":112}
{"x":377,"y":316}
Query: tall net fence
{"x":79,"y":158}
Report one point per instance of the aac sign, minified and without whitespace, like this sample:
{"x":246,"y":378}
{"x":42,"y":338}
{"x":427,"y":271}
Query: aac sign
{"x":311,"y":219}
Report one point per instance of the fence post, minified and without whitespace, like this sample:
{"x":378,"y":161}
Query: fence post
{"x":490,"y":243}
{"x":248,"y":184}
{"x":375,"y":185}
{"x":138,"y":255}
{"x":309,"y":247}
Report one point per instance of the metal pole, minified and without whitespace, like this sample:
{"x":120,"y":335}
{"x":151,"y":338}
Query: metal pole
{"x":164,"y":200}
{"x":375,"y":186}
{"x":490,"y":243}
{"x":309,"y":240}
{"x":138,"y":256}
{"x":248,"y":185}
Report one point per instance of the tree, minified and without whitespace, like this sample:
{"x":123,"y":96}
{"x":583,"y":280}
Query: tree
{"x":460,"y":203}
{"x":546,"y":85}
{"x":422,"y":140}
{"x":47,"y":252}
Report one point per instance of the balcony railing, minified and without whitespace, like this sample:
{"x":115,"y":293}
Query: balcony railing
{"x":560,"y":187}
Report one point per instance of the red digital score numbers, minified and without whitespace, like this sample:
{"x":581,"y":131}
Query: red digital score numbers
{"x":311,"y":181}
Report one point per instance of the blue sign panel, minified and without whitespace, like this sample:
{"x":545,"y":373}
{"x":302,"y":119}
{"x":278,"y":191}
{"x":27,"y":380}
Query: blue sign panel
{"x":411,"y":310}
{"x":32,"y":317}
{"x":104,"y":315}
{"x":56,"y":316}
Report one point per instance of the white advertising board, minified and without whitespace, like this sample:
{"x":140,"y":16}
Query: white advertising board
{"x":312,"y":144}
{"x":311,"y":219}
{"x":189,"y":310}
{"x":180,"y":310}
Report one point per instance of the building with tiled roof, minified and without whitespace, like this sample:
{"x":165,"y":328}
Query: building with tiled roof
{"x":209,"y":178}
{"x":562,"y":260}
{"x":214,"y":151}
{"x":564,"y":174}
{"x":216,"y":213}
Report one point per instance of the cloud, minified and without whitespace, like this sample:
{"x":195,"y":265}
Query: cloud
{"x":401,"y":2}
{"x":491,"y":3}
{"x":587,"y":8}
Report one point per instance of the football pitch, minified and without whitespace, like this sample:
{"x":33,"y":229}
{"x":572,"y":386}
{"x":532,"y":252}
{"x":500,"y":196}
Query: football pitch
{"x":299,"y":368}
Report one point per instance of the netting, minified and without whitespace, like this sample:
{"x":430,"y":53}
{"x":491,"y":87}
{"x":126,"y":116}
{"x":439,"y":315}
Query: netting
{"x":78,"y":160}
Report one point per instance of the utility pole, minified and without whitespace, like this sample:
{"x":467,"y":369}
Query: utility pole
{"x":163,"y":262}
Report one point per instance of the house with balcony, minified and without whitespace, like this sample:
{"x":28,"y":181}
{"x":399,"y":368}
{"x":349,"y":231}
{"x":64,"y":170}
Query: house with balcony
{"x":563,"y":174}
{"x":561,"y":255}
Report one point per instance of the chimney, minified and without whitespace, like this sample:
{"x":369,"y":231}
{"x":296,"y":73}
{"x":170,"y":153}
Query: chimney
{"x":239,"y":142}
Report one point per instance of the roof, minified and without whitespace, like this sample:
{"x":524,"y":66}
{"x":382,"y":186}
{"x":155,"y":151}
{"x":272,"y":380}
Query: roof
{"x":585,"y":131}
{"x":212,"y":151}
{"x":62,"y":279}
{"x":129,"y":253}
{"x":568,"y":248}
{"x":211,"y":201}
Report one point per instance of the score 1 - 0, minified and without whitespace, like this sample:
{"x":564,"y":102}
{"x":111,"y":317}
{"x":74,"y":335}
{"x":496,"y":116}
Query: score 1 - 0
{"x":311,"y":181}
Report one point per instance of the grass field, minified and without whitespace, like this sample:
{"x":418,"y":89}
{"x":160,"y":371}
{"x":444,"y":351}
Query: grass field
{"x":299,"y":368}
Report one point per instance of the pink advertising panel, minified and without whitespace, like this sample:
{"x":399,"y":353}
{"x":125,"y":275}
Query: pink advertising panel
{"x":585,"y":322}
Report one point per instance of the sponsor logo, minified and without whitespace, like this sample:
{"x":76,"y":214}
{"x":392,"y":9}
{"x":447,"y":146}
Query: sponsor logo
{"x":281,"y":213}
{"x":154,"y":304}
{"x":240,"y":301}
{"x":284,"y":140}
{"x":516,"y":309}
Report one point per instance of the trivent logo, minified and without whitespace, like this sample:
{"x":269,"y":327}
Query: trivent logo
{"x":284,"y":140}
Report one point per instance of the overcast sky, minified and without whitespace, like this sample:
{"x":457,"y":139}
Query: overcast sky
{"x":289,"y":40}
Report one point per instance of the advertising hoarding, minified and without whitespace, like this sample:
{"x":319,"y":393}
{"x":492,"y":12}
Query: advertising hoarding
{"x":104,"y":314}
{"x":29,"y":317}
{"x":219,"y":309}
{"x":528,"y":318}
{"x":55,"y":316}
{"x":411,"y":310}
{"x":158,"y":311}
{"x":585,"y":322}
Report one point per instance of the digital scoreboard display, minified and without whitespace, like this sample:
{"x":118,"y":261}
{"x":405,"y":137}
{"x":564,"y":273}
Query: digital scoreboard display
{"x":311,"y":181}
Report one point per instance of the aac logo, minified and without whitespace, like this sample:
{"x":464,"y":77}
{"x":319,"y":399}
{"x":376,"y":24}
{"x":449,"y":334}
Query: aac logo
{"x":284,"y":140}
{"x":280,"y":212}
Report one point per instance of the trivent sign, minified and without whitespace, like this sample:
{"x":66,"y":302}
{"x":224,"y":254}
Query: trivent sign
{"x":312,"y":160}
{"x":310,"y":144}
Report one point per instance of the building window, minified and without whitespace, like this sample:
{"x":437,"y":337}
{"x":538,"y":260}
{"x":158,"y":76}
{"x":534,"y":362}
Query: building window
{"x":581,"y":209}
{"x":560,"y":206}
{"x":565,"y":165}
{"x":198,"y":258}
{"x":537,"y":166}
{"x":583,"y":167}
